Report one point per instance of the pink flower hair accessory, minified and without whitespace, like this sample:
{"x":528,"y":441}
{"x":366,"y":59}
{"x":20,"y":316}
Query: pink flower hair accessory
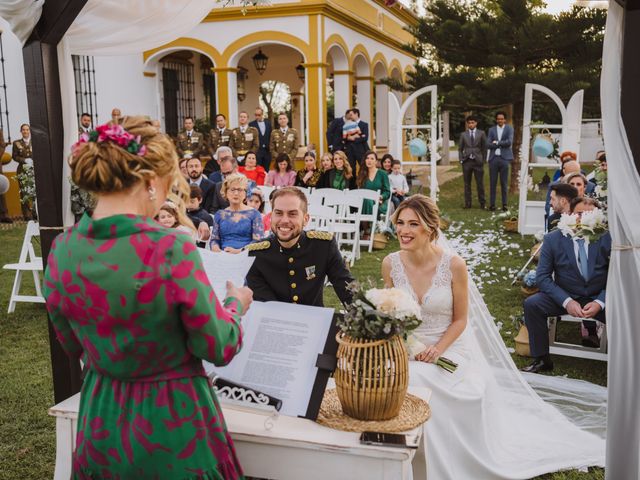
{"x":114,"y":134}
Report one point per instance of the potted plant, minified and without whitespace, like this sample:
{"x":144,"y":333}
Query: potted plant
{"x":372,"y":372}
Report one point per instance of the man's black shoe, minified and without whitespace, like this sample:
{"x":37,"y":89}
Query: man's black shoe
{"x":539,"y":365}
{"x":504,"y":208}
{"x":492,"y":208}
{"x":6,"y":220}
{"x":466,"y":207}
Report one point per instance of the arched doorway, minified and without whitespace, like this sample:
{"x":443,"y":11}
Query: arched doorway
{"x":339,"y":82}
{"x":363,"y":87}
{"x":381,"y":113}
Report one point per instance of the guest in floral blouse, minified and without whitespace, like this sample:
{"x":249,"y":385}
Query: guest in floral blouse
{"x":283,"y":175}
{"x":131,"y":298}
{"x":238,"y":225}
{"x":309,"y":175}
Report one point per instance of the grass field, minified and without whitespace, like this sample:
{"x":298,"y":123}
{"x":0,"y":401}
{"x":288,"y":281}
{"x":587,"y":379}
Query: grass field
{"x":27,"y":434}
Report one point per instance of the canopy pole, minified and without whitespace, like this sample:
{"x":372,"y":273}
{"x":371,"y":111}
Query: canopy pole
{"x":42,"y":76}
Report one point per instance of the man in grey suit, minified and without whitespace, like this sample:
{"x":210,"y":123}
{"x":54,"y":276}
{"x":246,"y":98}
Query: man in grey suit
{"x":500,"y":156}
{"x":472,"y":149}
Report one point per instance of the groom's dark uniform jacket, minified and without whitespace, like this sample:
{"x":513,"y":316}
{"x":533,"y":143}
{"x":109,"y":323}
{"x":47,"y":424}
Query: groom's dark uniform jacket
{"x":297,"y":274}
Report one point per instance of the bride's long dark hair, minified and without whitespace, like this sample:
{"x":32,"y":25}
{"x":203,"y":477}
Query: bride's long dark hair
{"x":426,"y":210}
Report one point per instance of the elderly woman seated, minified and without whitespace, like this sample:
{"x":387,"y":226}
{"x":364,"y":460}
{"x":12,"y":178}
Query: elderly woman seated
{"x":237,"y":225}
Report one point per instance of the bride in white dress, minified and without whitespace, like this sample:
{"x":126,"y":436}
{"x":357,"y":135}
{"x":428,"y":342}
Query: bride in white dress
{"x":486,"y":423}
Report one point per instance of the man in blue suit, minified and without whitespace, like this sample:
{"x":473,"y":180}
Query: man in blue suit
{"x":264,"y":137}
{"x":572,"y":278}
{"x":500,"y":157}
{"x":334,"y":133}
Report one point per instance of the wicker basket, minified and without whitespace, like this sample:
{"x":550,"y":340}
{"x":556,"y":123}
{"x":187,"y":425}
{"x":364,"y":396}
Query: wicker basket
{"x":371,"y":377}
{"x":522,"y":342}
{"x":528,"y":291}
{"x":511,"y":225}
{"x":380,"y":241}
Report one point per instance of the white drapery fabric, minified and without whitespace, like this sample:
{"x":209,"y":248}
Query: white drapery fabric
{"x":106,"y":27}
{"x":623,"y":301}
{"x":21,"y":15}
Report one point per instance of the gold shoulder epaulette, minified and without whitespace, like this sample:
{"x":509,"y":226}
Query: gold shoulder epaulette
{"x":252,"y":247}
{"x":318,"y":235}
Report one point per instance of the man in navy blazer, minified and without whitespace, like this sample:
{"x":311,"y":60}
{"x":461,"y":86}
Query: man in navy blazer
{"x":500,"y":157}
{"x":572,"y":278}
{"x":334,"y":133}
{"x":264,"y":137}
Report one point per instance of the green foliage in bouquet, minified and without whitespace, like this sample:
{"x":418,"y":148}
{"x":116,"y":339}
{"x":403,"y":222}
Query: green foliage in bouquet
{"x":81,"y":201}
{"x":27,"y":183}
{"x":377,"y":314}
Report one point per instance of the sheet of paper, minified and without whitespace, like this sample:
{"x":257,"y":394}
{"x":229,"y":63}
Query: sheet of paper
{"x":223,"y":266}
{"x":280,"y":348}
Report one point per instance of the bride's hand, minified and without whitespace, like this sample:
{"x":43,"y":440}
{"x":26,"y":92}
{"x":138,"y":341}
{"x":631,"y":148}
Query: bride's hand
{"x":429,"y":354}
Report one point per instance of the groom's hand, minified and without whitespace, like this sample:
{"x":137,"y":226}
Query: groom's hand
{"x":429,"y":354}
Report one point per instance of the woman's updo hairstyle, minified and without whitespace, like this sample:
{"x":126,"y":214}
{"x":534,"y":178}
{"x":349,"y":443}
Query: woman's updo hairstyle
{"x":103,"y":167}
{"x":426,"y":210}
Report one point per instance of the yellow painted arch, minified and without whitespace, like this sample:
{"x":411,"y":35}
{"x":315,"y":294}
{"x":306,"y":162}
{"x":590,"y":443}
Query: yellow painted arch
{"x":379,"y":58}
{"x":267,"y":36}
{"x":336,"y":39}
{"x":185,"y":43}
{"x":405,"y":73}
{"x":359,"y":49}
{"x":395,"y":65}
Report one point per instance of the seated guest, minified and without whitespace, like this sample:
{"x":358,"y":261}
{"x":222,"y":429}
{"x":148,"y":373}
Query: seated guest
{"x":572,"y":278}
{"x":237,"y":225}
{"x":338,"y":177}
{"x":223,"y":154}
{"x":568,"y":167}
{"x":283,"y":175}
{"x":252,"y":170}
{"x":309,"y":175}
{"x":197,"y":214}
{"x":169,"y":217}
{"x":256,"y":200}
{"x":292,"y":265}
{"x":194,"y":169}
{"x":560,"y":199}
{"x":398,"y":183}
{"x":326,"y":162}
{"x":183,"y":168}
{"x":580,"y":182}
{"x":373,"y":178}
{"x":564,"y":158}
{"x":387,"y":163}
{"x":227,"y":167}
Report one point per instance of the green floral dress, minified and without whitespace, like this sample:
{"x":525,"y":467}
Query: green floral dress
{"x":132,"y":299}
{"x":380,"y":182}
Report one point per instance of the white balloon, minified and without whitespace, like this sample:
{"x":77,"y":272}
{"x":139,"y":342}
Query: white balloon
{"x":4,"y":184}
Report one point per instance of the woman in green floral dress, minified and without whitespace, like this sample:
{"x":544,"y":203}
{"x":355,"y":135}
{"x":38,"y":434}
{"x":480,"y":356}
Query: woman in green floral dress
{"x":131,"y":298}
{"x":373,"y":178}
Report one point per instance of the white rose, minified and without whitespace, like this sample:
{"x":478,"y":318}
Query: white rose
{"x":567,"y":224}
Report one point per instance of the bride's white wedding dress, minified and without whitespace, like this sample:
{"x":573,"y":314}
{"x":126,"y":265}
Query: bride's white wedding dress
{"x":486,"y":423}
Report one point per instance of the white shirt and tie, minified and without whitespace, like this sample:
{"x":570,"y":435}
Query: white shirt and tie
{"x":581,"y":251}
{"x":500,"y":130}
{"x":262,"y":127}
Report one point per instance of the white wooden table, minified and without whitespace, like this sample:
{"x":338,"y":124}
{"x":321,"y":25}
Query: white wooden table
{"x":294,"y":448}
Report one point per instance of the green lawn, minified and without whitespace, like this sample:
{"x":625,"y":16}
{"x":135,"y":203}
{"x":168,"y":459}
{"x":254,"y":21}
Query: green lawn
{"x":27,"y":434}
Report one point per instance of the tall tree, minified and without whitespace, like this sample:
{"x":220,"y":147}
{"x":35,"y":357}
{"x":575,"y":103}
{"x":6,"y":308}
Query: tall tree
{"x":481,"y":54}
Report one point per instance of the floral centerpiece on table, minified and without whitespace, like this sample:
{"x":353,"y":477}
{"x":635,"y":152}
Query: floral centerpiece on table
{"x":591,"y":225}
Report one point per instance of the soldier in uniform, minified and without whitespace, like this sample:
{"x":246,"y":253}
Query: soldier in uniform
{"x":219,"y":136}
{"x":189,"y":143}
{"x":4,"y":211}
{"x":292,"y":265}
{"x":244,"y":138}
{"x":284,"y":139}
{"x":21,"y":152}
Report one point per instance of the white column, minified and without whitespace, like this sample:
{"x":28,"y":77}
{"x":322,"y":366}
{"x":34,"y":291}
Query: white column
{"x":232,"y":78}
{"x":364,"y":86}
{"x":382,"y":115}
{"x":341,"y":91}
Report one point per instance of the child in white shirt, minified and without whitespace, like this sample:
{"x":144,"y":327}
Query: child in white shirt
{"x":398,"y":183}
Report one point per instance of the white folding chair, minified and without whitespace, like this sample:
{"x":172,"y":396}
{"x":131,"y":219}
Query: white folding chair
{"x":323,"y":193}
{"x":346,"y":225}
{"x":386,"y":217}
{"x":321,"y":217}
{"x":28,"y":262}
{"x":266,"y":191}
{"x":374,"y":196}
{"x":557,"y":347}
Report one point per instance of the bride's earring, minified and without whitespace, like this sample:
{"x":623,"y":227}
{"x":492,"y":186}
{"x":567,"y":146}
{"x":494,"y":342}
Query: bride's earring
{"x":152,"y":194}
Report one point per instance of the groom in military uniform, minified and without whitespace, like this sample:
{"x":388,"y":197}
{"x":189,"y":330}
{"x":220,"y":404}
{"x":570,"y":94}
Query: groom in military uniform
{"x":284,"y":140}
{"x":291,"y":265}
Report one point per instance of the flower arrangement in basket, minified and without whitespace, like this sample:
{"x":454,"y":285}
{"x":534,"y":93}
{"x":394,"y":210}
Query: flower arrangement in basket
{"x":529,"y":285}
{"x":509,"y":220}
{"x":382,"y":235}
{"x":522,"y":338}
{"x":372,"y":371}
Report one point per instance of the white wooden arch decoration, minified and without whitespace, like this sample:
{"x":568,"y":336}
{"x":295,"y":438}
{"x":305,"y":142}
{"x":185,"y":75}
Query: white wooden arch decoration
{"x":531,"y":212}
{"x":397,"y":127}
